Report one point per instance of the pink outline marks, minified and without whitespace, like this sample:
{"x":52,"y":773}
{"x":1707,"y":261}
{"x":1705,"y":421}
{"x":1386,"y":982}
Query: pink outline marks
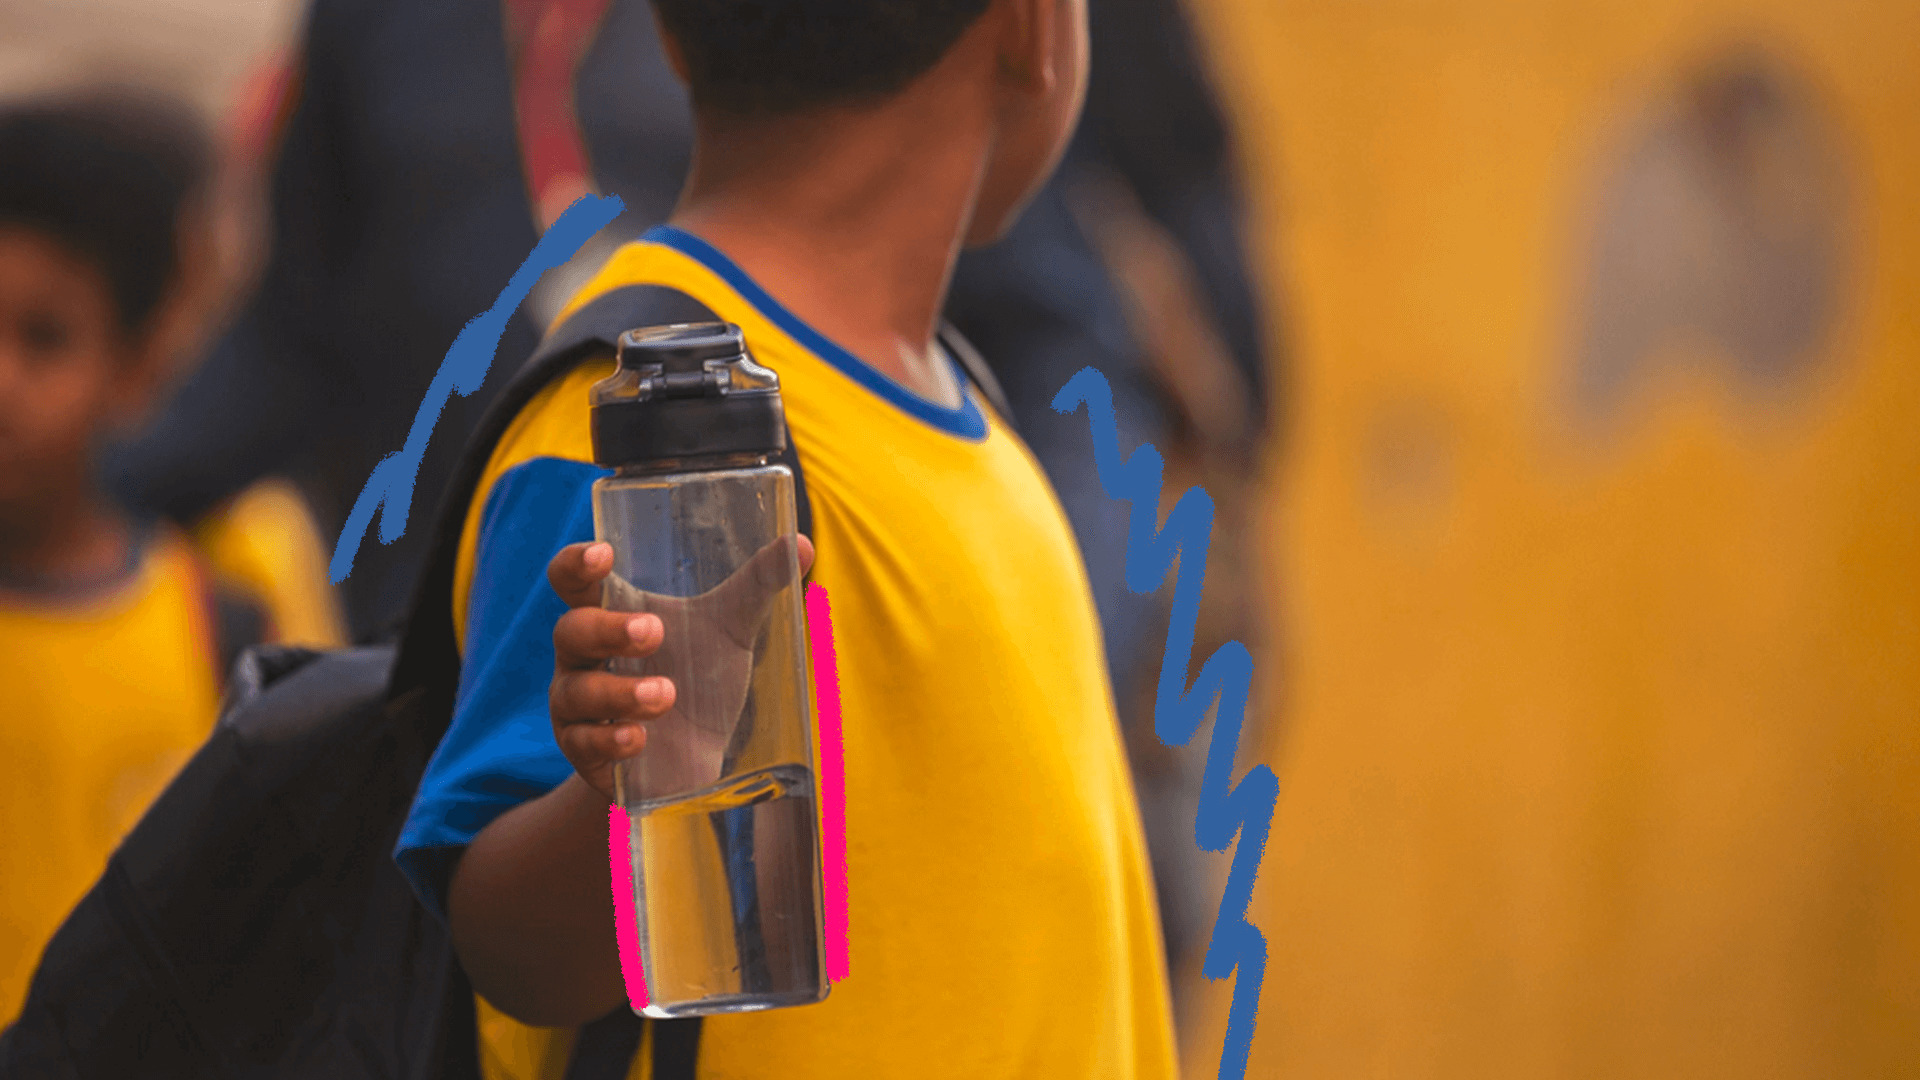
{"x":626,"y":923}
{"x":833,"y":779}
{"x":832,"y":787}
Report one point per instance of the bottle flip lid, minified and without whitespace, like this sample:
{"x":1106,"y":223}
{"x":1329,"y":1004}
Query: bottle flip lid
{"x":688,"y":390}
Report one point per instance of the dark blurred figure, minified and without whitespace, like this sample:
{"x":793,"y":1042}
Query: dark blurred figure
{"x":426,"y":145}
{"x":1153,"y":120}
{"x":397,"y":213}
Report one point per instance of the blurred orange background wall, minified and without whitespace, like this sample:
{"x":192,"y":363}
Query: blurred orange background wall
{"x":1596,"y":535}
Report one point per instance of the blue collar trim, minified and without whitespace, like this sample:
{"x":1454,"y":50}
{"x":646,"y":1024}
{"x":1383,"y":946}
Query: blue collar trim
{"x":967,"y":421}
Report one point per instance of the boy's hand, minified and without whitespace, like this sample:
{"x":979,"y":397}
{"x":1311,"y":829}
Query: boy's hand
{"x":597,"y":714}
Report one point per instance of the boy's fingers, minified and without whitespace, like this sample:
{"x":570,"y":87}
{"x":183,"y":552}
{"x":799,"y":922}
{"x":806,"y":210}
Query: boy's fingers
{"x":590,"y":697}
{"x":576,"y":572}
{"x":739,"y":604}
{"x":806,"y":554}
{"x":587,"y":637}
{"x":589,"y":745}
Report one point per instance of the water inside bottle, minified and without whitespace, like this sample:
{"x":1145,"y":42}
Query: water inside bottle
{"x":727,"y":893}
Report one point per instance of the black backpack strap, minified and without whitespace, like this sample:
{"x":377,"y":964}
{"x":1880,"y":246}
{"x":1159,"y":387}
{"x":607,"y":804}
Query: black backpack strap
{"x":676,"y":1048}
{"x":604,"y":1049}
{"x":976,"y":368}
{"x":600,"y":322}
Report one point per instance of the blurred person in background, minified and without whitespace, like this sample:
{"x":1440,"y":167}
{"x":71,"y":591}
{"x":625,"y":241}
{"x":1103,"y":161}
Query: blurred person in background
{"x":222,"y":63}
{"x":426,"y":146}
{"x":115,"y":631}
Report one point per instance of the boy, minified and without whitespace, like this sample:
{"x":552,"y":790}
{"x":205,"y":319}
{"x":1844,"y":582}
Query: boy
{"x":1002,"y":918}
{"x":113,"y":635}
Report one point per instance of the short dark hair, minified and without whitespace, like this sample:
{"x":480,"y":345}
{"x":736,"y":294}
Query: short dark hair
{"x":768,"y":56}
{"x":105,"y":174}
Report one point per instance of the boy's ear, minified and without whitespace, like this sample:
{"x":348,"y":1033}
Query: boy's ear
{"x":150,"y":358}
{"x":676,"y":58}
{"x":1028,"y":29}
{"x":177,"y":330}
{"x":144,"y":368}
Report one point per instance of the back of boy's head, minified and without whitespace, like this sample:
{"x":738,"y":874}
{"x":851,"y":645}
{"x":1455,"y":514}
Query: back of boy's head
{"x":106,"y":175}
{"x":750,"y":57}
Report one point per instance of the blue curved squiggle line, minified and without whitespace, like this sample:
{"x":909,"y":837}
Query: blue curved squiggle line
{"x":390,"y":487}
{"x":1226,"y":809}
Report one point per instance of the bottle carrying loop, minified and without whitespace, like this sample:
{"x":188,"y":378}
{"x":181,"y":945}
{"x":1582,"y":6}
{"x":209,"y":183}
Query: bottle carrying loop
{"x":685,"y":391}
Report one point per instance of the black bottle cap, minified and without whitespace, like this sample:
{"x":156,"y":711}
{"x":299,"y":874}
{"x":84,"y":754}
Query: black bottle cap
{"x":685,"y":391}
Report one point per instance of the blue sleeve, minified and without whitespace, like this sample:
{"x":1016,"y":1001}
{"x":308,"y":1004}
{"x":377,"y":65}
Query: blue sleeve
{"x":499,"y":751}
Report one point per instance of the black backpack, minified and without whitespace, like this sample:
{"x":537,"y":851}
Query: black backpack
{"x":254,"y":923}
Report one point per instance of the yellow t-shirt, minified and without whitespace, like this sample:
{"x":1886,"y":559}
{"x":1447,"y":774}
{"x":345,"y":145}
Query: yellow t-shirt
{"x":102,"y":699}
{"x":1001,"y":912}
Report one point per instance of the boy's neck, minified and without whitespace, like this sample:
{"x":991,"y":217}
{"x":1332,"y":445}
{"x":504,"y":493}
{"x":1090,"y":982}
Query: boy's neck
{"x":74,"y":540}
{"x":851,"y":218}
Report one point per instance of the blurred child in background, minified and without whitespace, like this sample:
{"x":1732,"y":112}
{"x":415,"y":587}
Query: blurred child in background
{"x":115,"y":632}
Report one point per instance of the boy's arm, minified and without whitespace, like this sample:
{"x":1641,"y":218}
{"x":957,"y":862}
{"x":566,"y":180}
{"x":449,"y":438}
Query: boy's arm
{"x":530,"y":902}
{"x":531,"y":908}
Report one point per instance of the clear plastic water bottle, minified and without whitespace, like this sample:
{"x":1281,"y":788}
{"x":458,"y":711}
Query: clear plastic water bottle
{"x":726,"y":837}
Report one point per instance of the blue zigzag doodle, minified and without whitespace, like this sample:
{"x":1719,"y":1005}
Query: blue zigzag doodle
{"x":1226,"y":678}
{"x":390,"y":487}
